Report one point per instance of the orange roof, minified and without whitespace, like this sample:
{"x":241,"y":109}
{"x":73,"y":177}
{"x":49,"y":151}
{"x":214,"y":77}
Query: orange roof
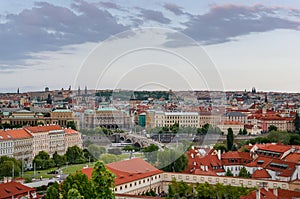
{"x":128,"y":170}
{"x":70,"y":131}
{"x":293,"y":157}
{"x":261,"y":174}
{"x":14,"y":134}
{"x":263,"y":194}
{"x":274,"y":147}
{"x":39,"y":129}
{"x":233,"y":123}
{"x":10,"y":189}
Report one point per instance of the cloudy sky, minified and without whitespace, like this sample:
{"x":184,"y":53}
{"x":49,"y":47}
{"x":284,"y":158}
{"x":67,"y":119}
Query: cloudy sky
{"x":47,"y":43}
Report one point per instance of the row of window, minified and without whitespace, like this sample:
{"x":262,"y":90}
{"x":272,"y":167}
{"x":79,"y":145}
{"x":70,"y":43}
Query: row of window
{"x":135,"y":183}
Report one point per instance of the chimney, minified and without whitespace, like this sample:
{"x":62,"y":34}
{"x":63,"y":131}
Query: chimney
{"x":257,"y":193}
{"x":219,"y":154}
{"x":275,"y":191}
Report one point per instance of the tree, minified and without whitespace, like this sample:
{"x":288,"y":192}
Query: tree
{"x":151,"y":153}
{"x":179,"y":189}
{"x":221,"y":147}
{"x":297,"y":123}
{"x":245,"y":132}
{"x":115,"y":151}
{"x":59,"y":160}
{"x":244,"y":173}
{"x":75,"y":155}
{"x":74,"y":194}
{"x":43,"y":161}
{"x":80,"y":182}
{"x":240,"y":132}
{"x":103,"y":181}
{"x":9,"y":165}
{"x":272,"y":128}
{"x":228,"y":172}
{"x":172,"y":161}
{"x":108,"y":158}
{"x":72,"y":125}
{"x":230,"y":139}
{"x":96,"y":150}
{"x":53,"y":191}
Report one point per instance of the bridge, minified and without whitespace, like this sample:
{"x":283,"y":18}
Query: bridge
{"x":139,"y":141}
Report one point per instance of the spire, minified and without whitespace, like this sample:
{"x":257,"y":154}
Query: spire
{"x":85,"y":90}
{"x":18,"y":91}
{"x":78,"y":91}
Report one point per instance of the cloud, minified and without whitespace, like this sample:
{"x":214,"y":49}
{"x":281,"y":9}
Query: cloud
{"x":49,"y":27}
{"x":177,"y":10}
{"x":226,"y":22}
{"x":110,"y":5}
{"x":151,"y":15}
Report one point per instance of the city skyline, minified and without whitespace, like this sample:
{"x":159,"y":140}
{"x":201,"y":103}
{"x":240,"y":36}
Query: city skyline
{"x":256,"y":43}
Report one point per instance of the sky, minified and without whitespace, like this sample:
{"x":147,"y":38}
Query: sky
{"x":140,"y":44}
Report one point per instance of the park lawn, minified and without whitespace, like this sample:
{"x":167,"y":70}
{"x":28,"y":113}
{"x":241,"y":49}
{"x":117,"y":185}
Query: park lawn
{"x":39,"y":173}
{"x":70,"y":169}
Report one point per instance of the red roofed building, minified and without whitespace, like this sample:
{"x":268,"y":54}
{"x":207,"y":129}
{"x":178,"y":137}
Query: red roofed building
{"x":276,"y":151}
{"x":235,"y":160}
{"x":261,"y":174}
{"x":72,"y":138}
{"x":22,"y":144}
{"x":272,"y":193}
{"x":134,"y":176}
{"x":48,"y":138}
{"x":17,"y":191}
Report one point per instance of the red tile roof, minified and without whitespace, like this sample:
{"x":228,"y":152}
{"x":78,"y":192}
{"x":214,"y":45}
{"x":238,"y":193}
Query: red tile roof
{"x":274,"y":147}
{"x":261,"y":174}
{"x":10,"y":189}
{"x":70,"y":131}
{"x":15,"y":134}
{"x":293,"y":157}
{"x":39,"y":129}
{"x":128,"y":170}
{"x":263,"y":194}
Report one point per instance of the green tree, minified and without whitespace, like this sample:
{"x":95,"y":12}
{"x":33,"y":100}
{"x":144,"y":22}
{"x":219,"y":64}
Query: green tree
{"x":96,"y":150}
{"x":294,"y":139}
{"x":151,"y":153}
{"x":221,"y":147}
{"x":75,"y":155}
{"x":179,"y":189}
{"x":297,"y":123}
{"x":244,"y":173}
{"x":43,"y":161}
{"x":279,"y":136}
{"x":230,"y":139}
{"x":74,"y":194}
{"x":108,"y":158}
{"x":245,"y":132}
{"x":59,"y":160}
{"x":205,"y":190}
{"x":172,"y":161}
{"x":228,"y":172}
{"x":72,"y":125}
{"x":80,"y":182}
{"x":240,"y":132}
{"x":115,"y":151}
{"x":272,"y":128}
{"x":103,"y":181}
{"x":9,"y":165}
{"x":53,"y":191}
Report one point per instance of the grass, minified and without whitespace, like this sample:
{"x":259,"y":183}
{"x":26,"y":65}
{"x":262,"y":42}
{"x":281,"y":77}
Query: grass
{"x":70,"y":169}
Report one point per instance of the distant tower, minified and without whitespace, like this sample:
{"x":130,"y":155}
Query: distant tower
{"x":78,"y":91}
{"x":46,"y":89}
{"x":70,"y":88}
{"x":253,"y":90}
{"x":85,"y":90}
{"x":18,"y":91}
{"x":266,"y":98}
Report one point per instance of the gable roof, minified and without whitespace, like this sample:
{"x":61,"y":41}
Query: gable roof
{"x":128,"y":170}
{"x":10,"y":189}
